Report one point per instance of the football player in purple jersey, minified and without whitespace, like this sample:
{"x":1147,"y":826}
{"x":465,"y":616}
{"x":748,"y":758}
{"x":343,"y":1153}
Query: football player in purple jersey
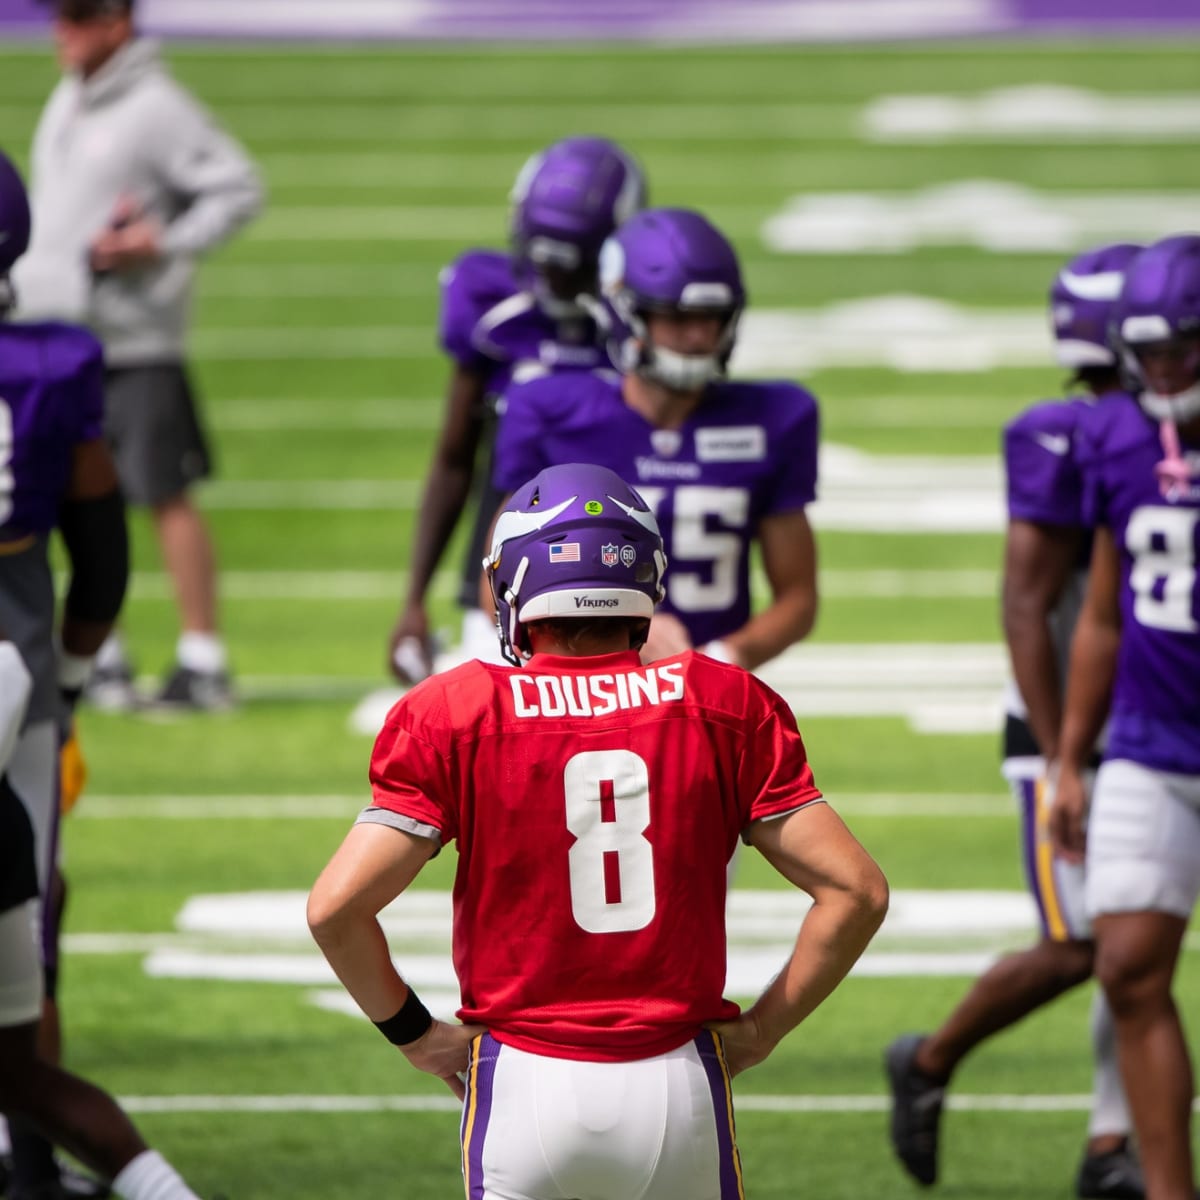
{"x":723,"y":463}
{"x":504,"y":317}
{"x":1045,"y":570}
{"x":55,"y":471}
{"x":1135,"y":657}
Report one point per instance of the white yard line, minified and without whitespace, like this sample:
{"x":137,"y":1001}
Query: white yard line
{"x":267,"y":807}
{"x":849,"y":1104}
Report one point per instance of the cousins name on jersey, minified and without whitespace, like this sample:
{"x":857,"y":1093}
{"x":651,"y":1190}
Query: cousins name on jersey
{"x":595,"y":695}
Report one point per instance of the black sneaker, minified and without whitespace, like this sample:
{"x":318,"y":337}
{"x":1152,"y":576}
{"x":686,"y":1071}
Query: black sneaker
{"x":916,"y":1110}
{"x":111,"y":688}
{"x":1116,"y":1175}
{"x":202,"y":691}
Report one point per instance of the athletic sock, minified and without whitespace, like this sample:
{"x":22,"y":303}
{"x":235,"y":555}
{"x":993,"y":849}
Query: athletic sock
{"x":151,"y":1177}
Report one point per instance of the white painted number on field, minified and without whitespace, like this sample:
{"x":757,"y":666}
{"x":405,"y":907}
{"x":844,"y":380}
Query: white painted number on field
{"x":1163,"y":544}
{"x":611,"y":863}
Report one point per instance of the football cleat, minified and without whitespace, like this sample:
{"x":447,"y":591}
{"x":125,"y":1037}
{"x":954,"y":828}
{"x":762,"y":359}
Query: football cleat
{"x":111,"y":688}
{"x":916,"y":1110}
{"x":201,"y":691}
{"x":1116,"y":1175}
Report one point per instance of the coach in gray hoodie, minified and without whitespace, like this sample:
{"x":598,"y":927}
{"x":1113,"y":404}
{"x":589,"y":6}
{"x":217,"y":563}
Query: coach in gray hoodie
{"x":132,"y":182}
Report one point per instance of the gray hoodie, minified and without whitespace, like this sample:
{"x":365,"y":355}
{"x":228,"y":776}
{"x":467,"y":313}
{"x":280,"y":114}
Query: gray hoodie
{"x":129,"y":131}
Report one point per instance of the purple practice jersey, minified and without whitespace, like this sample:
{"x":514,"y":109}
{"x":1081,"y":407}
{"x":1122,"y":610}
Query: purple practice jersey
{"x":1045,"y":487}
{"x":51,"y":400}
{"x":1156,"y":695}
{"x":490,"y":323}
{"x":749,"y":450}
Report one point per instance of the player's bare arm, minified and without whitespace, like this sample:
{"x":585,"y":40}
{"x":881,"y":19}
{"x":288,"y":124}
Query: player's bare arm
{"x":368,"y":871}
{"x":447,"y":488}
{"x":789,"y":557}
{"x":813,"y":849}
{"x":1038,"y":562}
{"x":1089,"y":689}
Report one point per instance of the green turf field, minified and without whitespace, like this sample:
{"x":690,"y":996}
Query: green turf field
{"x":316,"y":355}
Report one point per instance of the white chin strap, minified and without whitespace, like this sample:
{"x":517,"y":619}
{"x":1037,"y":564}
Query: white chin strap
{"x":1181,"y":408}
{"x":681,"y":372}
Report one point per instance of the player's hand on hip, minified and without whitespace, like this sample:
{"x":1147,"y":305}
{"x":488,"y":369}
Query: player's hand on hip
{"x":127,"y":247}
{"x":410,"y":654}
{"x":444,"y":1050}
{"x":668,"y":636}
{"x":1068,"y":812}
{"x":742,"y":1041}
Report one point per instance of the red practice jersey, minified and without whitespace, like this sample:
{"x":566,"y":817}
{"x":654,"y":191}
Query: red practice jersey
{"x":596,"y":804}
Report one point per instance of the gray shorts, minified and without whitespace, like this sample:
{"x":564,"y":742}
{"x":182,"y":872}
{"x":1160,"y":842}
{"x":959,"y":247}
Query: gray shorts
{"x":154,"y":430}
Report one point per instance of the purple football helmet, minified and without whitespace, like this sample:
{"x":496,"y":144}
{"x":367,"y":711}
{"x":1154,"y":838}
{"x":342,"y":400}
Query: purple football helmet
{"x":575,"y":541}
{"x":1160,"y":304}
{"x":567,"y":199}
{"x":670,"y":260}
{"x":14,"y":226}
{"x":1081,"y":302}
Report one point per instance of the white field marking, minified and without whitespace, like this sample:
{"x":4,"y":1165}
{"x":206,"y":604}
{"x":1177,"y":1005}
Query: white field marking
{"x":1034,"y":113}
{"x":753,"y":915}
{"x":936,"y":687}
{"x":421,"y":122}
{"x":991,"y":214}
{"x":311,"y":415}
{"x":264,"y":807}
{"x":849,"y":1104}
{"x":806,"y":20}
{"x":273,"y":414}
{"x":866,"y":583}
{"x":870,"y":493}
{"x":907,"y":333}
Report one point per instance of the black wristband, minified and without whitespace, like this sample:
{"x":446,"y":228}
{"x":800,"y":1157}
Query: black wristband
{"x":411,"y":1022}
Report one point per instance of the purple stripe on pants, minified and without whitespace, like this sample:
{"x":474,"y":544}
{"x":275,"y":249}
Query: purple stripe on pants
{"x":728,"y":1161}
{"x":479,"y":1107}
{"x":1027,"y":789}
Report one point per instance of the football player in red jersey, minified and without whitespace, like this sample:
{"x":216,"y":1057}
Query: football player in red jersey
{"x":595,"y":803}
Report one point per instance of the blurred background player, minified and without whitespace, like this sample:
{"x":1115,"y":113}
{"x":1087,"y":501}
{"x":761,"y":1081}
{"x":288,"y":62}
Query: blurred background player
{"x":1045,"y":571}
{"x":55,"y":471}
{"x":77,"y":1115}
{"x":721,"y":463}
{"x":589,"y":915}
{"x":504,"y":317}
{"x":1136,"y":658}
{"x":131,"y":183}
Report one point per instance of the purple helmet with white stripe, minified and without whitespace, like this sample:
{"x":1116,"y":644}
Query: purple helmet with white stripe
{"x":1081,"y":303}
{"x":14,"y":225}
{"x":575,"y":541}
{"x":1160,"y":305}
{"x":567,"y":199}
{"x":670,"y":260}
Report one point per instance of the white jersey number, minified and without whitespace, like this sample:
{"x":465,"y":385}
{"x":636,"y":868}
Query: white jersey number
{"x":611,"y":864}
{"x":1163,"y":579}
{"x":6,"y":456}
{"x":693,"y":540}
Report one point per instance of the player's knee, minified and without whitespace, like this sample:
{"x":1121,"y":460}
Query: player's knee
{"x":1071,"y":962}
{"x":1133,"y":981}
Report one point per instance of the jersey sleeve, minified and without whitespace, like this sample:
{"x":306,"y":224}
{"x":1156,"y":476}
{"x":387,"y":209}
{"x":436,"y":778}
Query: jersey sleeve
{"x":471,"y":286}
{"x":776,"y":777}
{"x":794,"y":449}
{"x":410,"y":775}
{"x":521,"y":437}
{"x":1044,"y":483}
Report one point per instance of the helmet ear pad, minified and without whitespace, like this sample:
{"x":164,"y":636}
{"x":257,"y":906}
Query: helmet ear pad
{"x":576,"y":542}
